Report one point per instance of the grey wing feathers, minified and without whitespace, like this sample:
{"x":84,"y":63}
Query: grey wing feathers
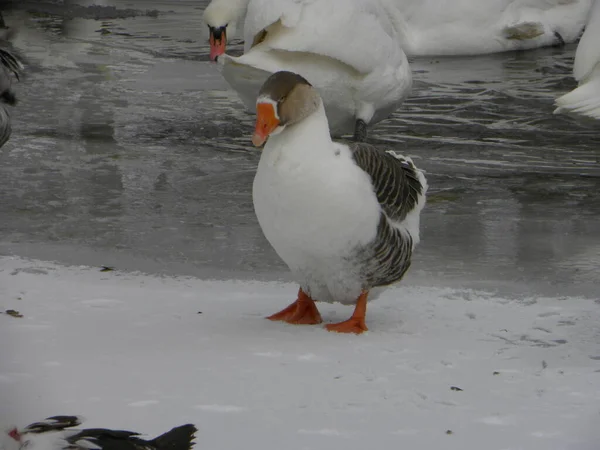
{"x":389,"y":256}
{"x":398,"y":184}
{"x":5,"y":125}
{"x":11,"y":62}
{"x":395,"y":179}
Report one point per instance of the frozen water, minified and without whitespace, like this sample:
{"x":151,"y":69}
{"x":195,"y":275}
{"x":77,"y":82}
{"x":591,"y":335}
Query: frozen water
{"x":129,"y":150}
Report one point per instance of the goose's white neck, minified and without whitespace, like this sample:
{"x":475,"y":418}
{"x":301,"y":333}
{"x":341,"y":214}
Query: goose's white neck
{"x":308,"y":136}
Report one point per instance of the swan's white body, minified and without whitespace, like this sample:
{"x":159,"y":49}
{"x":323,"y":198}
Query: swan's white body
{"x":439,"y":27}
{"x":316,"y":206}
{"x":585,"y":99}
{"x":348,"y":49}
{"x":471,"y":27}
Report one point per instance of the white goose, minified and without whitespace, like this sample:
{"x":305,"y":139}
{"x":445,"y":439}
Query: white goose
{"x":472,"y":27}
{"x":349,"y":49}
{"x":585,"y":99}
{"x":344,"y":218}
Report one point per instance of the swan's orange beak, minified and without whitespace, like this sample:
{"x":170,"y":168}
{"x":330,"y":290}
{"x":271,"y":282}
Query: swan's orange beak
{"x":266,"y":122}
{"x":218,"y":41}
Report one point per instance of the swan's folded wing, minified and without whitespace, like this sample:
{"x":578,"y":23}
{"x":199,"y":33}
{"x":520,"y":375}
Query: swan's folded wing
{"x":263,"y":13}
{"x":358,"y":33}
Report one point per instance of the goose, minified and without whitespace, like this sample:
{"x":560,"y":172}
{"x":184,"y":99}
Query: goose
{"x":10,"y":66}
{"x":179,"y":438}
{"x":585,"y":99}
{"x":343,"y":217}
{"x":348,"y":49}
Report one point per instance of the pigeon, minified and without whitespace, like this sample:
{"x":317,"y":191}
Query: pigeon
{"x":179,"y":438}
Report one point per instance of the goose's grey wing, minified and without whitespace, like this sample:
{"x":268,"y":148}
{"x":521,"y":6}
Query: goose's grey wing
{"x":400,"y":188}
{"x":398,"y":184}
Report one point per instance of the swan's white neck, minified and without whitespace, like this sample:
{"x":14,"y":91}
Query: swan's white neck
{"x":308,"y":136}
{"x":226,"y":12}
{"x":401,"y":26}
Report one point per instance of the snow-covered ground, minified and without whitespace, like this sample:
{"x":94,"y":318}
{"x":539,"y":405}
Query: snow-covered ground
{"x":439,"y":368}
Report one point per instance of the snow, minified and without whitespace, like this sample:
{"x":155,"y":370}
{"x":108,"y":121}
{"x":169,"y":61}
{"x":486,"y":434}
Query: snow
{"x":146,"y":353}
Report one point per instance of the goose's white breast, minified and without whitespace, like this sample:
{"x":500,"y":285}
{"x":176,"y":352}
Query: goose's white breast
{"x":315,"y":212}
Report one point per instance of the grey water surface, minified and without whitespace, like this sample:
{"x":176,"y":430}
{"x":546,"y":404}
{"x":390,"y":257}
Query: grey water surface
{"x":129,"y":150}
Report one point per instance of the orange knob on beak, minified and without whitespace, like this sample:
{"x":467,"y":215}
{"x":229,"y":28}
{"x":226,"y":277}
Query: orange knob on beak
{"x":266,"y":122}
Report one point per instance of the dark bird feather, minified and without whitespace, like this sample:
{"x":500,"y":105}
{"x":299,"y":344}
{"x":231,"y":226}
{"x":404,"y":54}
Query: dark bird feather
{"x":54,"y":423}
{"x":397,"y":186}
{"x":11,"y":65}
{"x":178,"y":438}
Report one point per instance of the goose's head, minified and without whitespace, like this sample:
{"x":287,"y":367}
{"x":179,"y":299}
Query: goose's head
{"x":284,"y":99}
{"x":222,"y":19}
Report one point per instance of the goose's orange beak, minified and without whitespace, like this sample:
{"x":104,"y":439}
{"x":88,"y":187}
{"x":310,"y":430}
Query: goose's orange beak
{"x":218,"y":41}
{"x":266,"y":122}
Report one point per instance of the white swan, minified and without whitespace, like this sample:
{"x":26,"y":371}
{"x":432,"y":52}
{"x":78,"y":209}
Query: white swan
{"x":585,"y":99}
{"x":344,"y":218}
{"x":471,"y":27}
{"x":450,"y":27}
{"x":348,"y":49}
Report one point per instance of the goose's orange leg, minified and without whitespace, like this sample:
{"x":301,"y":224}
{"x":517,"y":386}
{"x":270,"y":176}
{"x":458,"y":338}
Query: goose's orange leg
{"x":356,"y":323}
{"x":302,"y":312}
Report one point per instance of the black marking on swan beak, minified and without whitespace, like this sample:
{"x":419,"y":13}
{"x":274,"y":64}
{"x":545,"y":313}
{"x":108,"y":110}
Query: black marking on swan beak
{"x":218,"y":33}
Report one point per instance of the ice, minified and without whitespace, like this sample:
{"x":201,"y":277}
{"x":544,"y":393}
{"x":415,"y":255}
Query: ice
{"x":138,"y":157}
